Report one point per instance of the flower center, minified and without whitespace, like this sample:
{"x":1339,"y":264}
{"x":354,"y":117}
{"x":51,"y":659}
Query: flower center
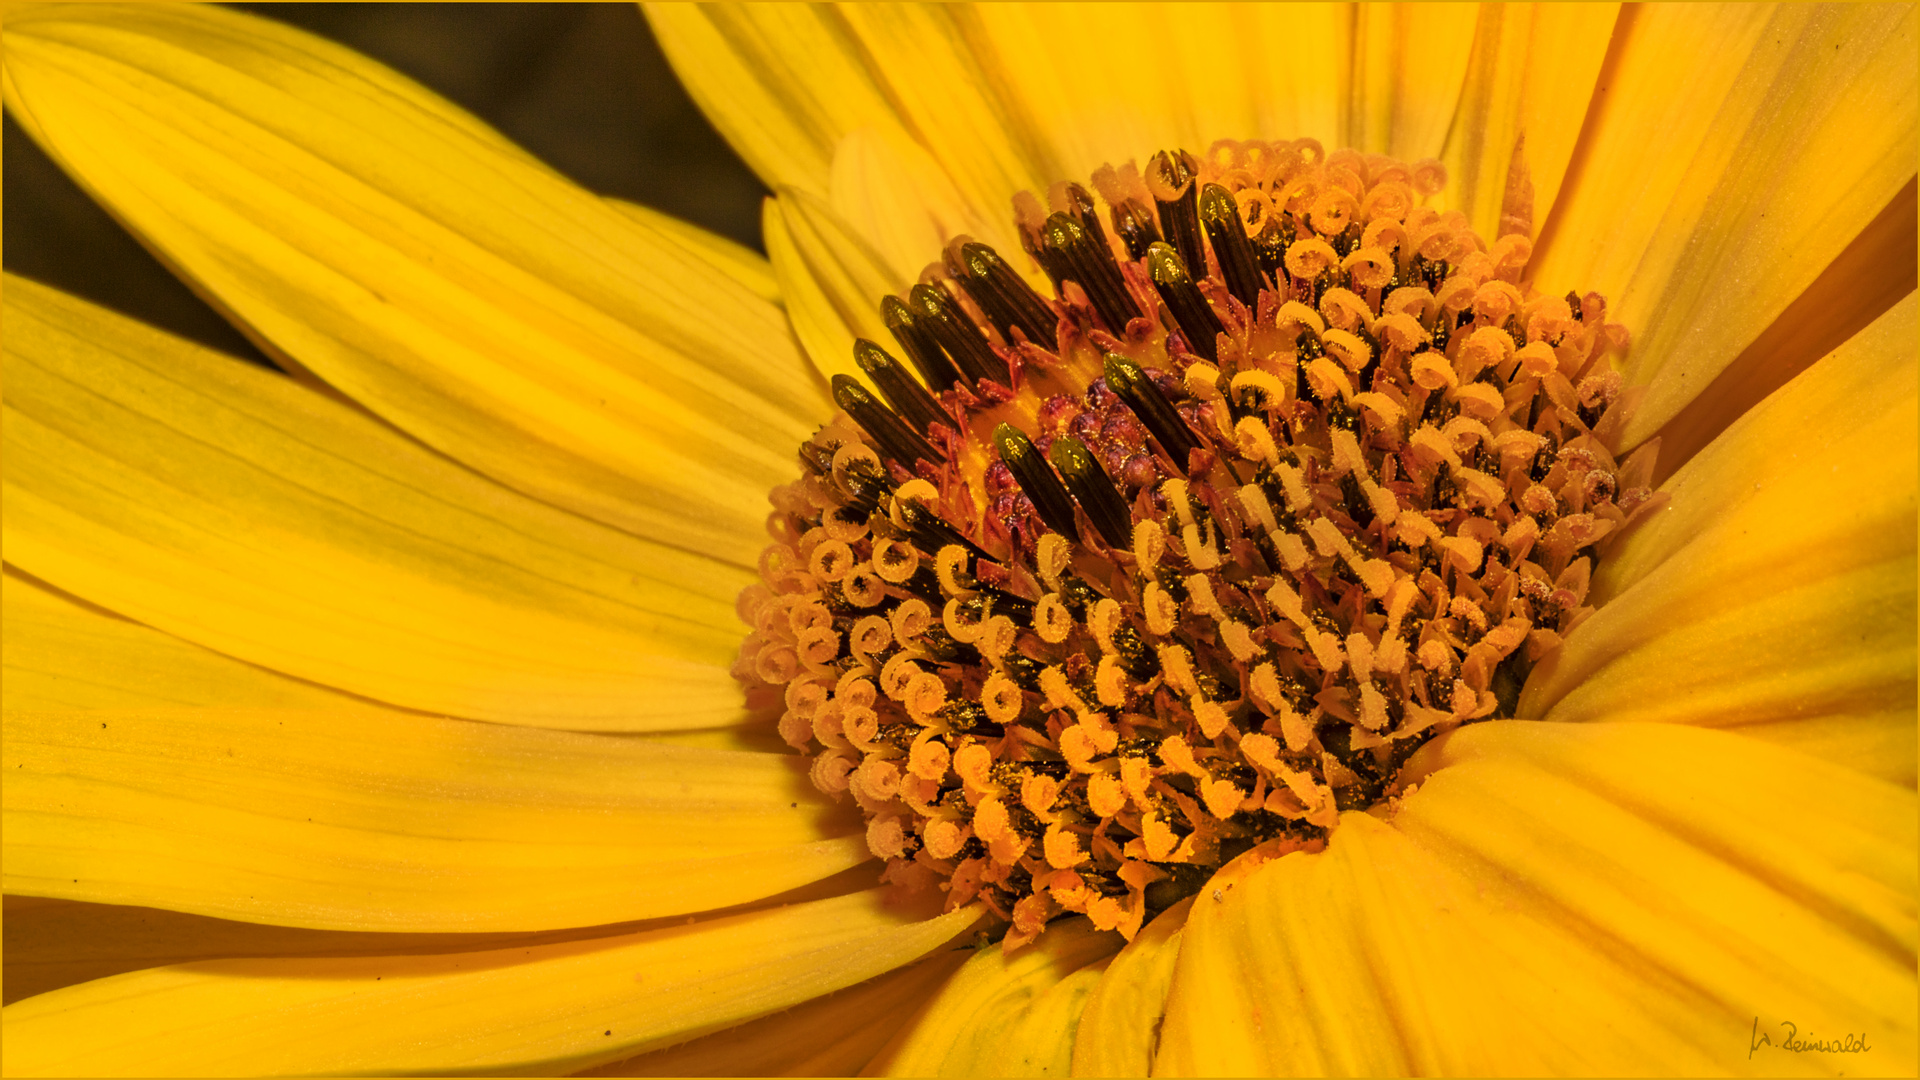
{"x":1291,"y":475}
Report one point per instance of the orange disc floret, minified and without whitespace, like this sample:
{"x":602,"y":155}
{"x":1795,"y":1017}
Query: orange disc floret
{"x":1102,"y":587}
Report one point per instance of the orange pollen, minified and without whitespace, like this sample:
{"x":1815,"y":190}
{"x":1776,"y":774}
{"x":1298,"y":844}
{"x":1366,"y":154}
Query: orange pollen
{"x":1291,"y":474}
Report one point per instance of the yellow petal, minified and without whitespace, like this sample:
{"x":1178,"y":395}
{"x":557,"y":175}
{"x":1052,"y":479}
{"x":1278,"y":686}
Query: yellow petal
{"x":62,"y":654}
{"x":833,"y":280}
{"x":1103,"y":84}
{"x":1005,"y":1014}
{"x":378,"y":238}
{"x":1006,"y":97}
{"x":1857,"y":287}
{"x":1409,"y":63}
{"x":948,"y":95}
{"x":53,"y":943}
{"x":894,"y":195}
{"x":1118,"y":1025}
{"x":834,"y":1035}
{"x":787,"y":84}
{"x":94,"y":668}
{"x":544,"y":1009}
{"x":231,"y":507}
{"x":1734,"y":153}
{"x":357,"y":820}
{"x":1564,"y":62}
{"x":1599,"y":900}
{"x":741,"y":263}
{"x":1779,"y":583}
{"x":783,"y":83}
{"x":1532,"y":72}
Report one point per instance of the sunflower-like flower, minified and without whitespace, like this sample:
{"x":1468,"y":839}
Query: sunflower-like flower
{"x":1260,"y":622}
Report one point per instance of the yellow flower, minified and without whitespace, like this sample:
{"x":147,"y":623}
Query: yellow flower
{"x":401,"y":685}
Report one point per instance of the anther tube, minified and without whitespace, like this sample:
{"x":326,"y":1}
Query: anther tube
{"x":1036,"y":479}
{"x":1183,"y":298}
{"x":1090,"y":484}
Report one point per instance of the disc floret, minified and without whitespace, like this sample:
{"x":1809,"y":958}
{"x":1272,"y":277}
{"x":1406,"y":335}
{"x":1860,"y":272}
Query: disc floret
{"x":1291,"y":473}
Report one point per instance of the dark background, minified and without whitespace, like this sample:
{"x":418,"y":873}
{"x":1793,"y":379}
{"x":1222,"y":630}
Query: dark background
{"x":582,"y":86}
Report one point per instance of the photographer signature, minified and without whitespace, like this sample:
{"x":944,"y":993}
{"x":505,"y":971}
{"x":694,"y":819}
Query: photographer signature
{"x":1792,"y":1040}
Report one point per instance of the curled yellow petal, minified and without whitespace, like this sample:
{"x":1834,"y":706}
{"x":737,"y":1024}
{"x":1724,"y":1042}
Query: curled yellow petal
{"x":541,"y":1009}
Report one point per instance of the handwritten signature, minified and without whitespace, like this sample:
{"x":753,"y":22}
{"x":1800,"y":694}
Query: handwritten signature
{"x":1793,"y":1041}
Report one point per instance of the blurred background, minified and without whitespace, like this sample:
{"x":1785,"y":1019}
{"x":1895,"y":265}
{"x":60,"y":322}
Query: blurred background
{"x":582,"y":86}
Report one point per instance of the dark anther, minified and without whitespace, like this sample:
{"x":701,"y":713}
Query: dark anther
{"x":1573,"y":301}
{"x":1183,"y":298}
{"x":1042,"y":488}
{"x":865,"y":483}
{"x":1081,"y":208}
{"x":1307,"y":349}
{"x":1033,"y":242}
{"x":1508,"y":677}
{"x":1543,"y":460}
{"x":1078,"y":596}
{"x":1444,"y":492}
{"x":1339,"y":415}
{"x":1354,"y":501}
{"x":817,"y":460}
{"x":930,"y":533}
{"x":1125,"y":378}
{"x":920,"y":346}
{"x":965,"y":345}
{"x":1179,"y":219}
{"x":970,"y":718}
{"x":1090,"y":484}
{"x":1023,"y":670}
{"x":942,"y":647}
{"x":1006,"y":603}
{"x":1271,"y":249}
{"x":1091,"y":264}
{"x":902,"y":391}
{"x":1135,"y":227}
{"x":1139,"y":661}
{"x":1364,"y":377}
{"x":897,"y":440}
{"x":1221,"y":215}
{"x":1007,"y":300}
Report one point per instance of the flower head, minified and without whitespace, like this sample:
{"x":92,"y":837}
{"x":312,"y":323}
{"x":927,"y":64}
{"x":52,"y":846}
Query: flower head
{"x":438,"y":680}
